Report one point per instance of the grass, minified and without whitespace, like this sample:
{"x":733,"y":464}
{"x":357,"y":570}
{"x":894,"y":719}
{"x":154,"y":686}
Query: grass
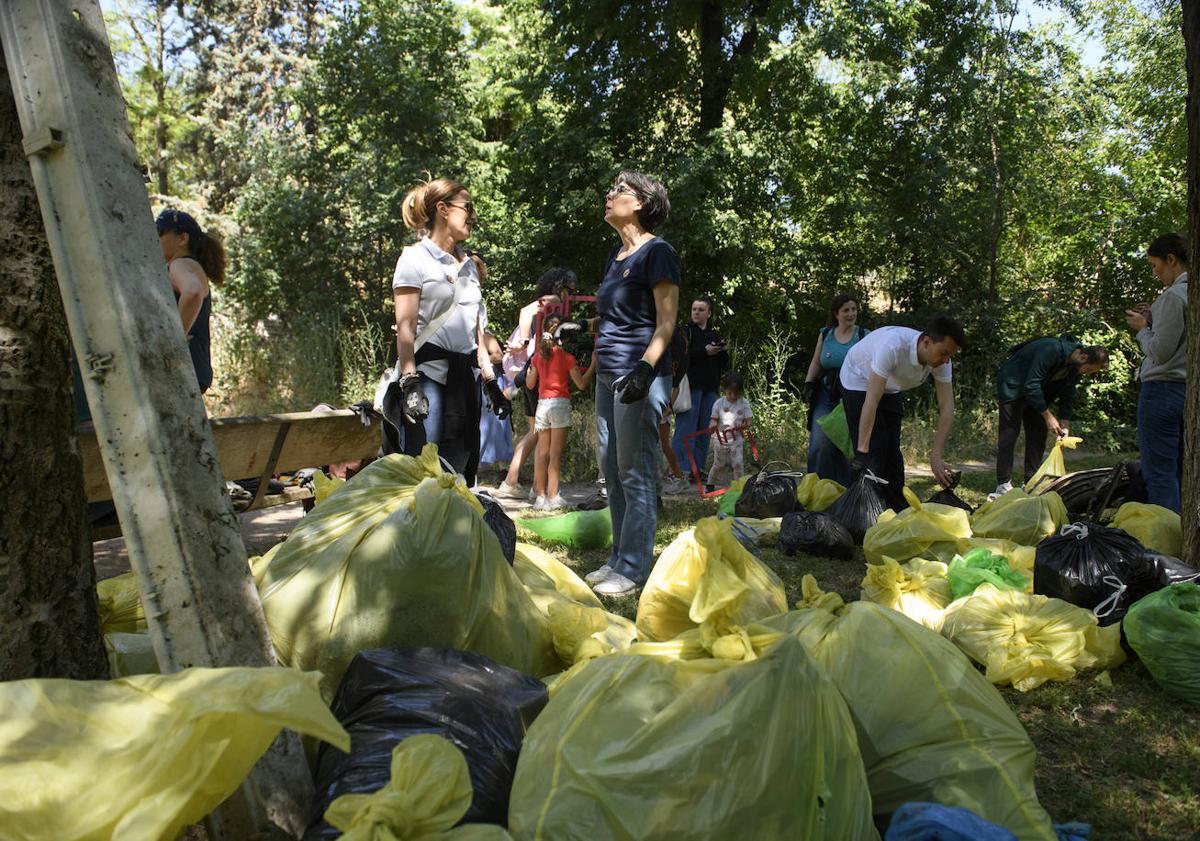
{"x":1114,"y":750}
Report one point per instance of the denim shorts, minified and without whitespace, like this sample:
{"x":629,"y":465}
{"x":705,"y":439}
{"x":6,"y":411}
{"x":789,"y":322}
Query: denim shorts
{"x":553,"y":413}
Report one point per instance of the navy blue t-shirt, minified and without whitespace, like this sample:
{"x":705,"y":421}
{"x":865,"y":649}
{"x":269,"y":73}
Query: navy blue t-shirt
{"x":625,"y":304}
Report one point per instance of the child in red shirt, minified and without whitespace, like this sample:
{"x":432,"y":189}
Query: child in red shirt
{"x":551,"y":372}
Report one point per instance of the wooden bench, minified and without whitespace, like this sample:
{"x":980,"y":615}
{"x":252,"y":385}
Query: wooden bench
{"x":261,"y":446}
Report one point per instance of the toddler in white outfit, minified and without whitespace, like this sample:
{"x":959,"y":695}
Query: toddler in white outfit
{"x":731,"y":413}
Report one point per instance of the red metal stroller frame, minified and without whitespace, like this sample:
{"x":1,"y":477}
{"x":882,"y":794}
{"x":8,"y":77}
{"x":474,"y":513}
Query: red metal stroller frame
{"x":722,"y":438}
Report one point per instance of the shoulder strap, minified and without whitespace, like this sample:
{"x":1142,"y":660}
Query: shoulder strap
{"x":435,"y":325}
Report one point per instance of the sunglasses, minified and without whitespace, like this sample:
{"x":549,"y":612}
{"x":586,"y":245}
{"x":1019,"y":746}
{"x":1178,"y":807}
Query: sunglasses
{"x":620,"y":189}
{"x":469,"y":207}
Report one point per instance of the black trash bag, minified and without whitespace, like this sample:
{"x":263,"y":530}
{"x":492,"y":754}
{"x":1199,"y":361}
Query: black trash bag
{"x":501,"y":525}
{"x":815,"y":533}
{"x":1165,"y":570}
{"x":947,"y":496}
{"x":860,"y":506}
{"x":767,"y":494}
{"x":1102,"y":569}
{"x":388,"y":695}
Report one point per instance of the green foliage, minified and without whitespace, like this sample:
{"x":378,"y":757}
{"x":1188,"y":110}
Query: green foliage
{"x":932,"y":156}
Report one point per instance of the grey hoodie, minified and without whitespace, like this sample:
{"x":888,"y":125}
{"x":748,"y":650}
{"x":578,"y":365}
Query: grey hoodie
{"x":1165,"y":341}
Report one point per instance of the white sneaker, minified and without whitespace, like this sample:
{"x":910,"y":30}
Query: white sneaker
{"x":1000,"y":491}
{"x":539,"y":504}
{"x":598,"y":575}
{"x":615,"y":585}
{"x":677,"y":487}
{"x":507,"y":491}
{"x":556,"y":501}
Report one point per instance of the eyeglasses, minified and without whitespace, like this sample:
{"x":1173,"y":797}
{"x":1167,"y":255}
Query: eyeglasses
{"x":620,"y":189}
{"x":469,"y":207}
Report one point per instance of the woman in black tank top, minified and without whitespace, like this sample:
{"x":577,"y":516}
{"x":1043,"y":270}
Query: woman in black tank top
{"x":194,"y":261}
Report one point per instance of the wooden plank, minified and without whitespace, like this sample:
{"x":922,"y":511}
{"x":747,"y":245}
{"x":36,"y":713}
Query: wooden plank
{"x":244,"y":445}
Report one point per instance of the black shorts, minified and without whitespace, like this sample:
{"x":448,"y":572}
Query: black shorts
{"x":530,"y":397}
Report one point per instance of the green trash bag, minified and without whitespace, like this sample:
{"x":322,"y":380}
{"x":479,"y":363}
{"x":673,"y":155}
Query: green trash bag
{"x":1164,"y":630}
{"x":979,"y":566}
{"x":837,"y":429}
{"x":728,"y":501}
{"x":577,"y":529}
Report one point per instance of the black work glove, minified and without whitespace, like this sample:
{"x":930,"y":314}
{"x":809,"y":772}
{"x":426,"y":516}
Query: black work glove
{"x":860,"y":464}
{"x":569,"y":328}
{"x":635,"y":385}
{"x":414,"y":405}
{"x":808,"y":393}
{"x":500,"y":405}
{"x":364,"y":410}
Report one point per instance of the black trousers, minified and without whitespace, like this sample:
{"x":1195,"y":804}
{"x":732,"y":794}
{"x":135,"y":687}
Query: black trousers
{"x":1013,"y":415}
{"x":885,"y":459}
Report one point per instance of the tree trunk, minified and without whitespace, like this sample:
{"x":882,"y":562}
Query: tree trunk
{"x":1191,"y":460}
{"x":49,"y":624}
{"x":160,"y":101}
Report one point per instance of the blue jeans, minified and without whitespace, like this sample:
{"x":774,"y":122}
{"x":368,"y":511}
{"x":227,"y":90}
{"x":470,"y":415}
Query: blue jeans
{"x":1160,"y":440}
{"x":631,"y":451}
{"x":454,"y":452}
{"x":696,"y":418}
{"x":824,"y":457}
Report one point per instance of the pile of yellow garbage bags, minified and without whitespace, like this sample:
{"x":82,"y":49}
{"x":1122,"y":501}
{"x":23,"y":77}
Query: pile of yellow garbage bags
{"x":140,"y":758}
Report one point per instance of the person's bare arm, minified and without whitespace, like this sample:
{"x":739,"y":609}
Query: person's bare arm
{"x":814,"y":367}
{"x":408,"y":303}
{"x":945,"y":400}
{"x":531,"y":376}
{"x":486,"y":372}
{"x":666,"y":306}
{"x":583,"y":379}
{"x":866,"y":421}
{"x":190,"y":284}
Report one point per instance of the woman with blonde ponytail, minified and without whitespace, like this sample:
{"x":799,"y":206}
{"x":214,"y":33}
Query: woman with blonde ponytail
{"x":440,"y":319}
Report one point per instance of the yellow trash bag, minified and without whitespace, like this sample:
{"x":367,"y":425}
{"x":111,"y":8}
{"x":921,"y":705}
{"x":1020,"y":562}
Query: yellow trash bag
{"x":130,"y":654}
{"x":399,"y":557}
{"x":919,"y":589}
{"x":930,"y":727}
{"x":706,"y":576}
{"x":1019,"y":557}
{"x":120,"y":605}
{"x":817,"y":494}
{"x":1027,"y":640}
{"x":325,"y":486}
{"x":1054,"y":466}
{"x":925,"y":530}
{"x":764,"y":530}
{"x":650,"y":748}
{"x":1156,"y":527}
{"x":429,"y":792}
{"x":1021,"y":518}
{"x":138,"y":759}
{"x":811,"y":595}
{"x":577,"y":623}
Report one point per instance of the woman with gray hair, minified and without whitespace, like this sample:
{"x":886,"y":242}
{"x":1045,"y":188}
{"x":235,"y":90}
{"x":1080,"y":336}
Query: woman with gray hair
{"x":637,"y":304}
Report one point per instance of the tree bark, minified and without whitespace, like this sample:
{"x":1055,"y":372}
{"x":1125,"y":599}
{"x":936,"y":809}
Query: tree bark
{"x":49,"y":623}
{"x":1190,"y":512}
{"x":718,"y":70}
{"x":160,"y":100}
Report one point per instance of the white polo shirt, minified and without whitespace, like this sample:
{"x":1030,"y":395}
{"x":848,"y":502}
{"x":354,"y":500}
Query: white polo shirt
{"x":427,"y":267}
{"x":890,"y":352}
